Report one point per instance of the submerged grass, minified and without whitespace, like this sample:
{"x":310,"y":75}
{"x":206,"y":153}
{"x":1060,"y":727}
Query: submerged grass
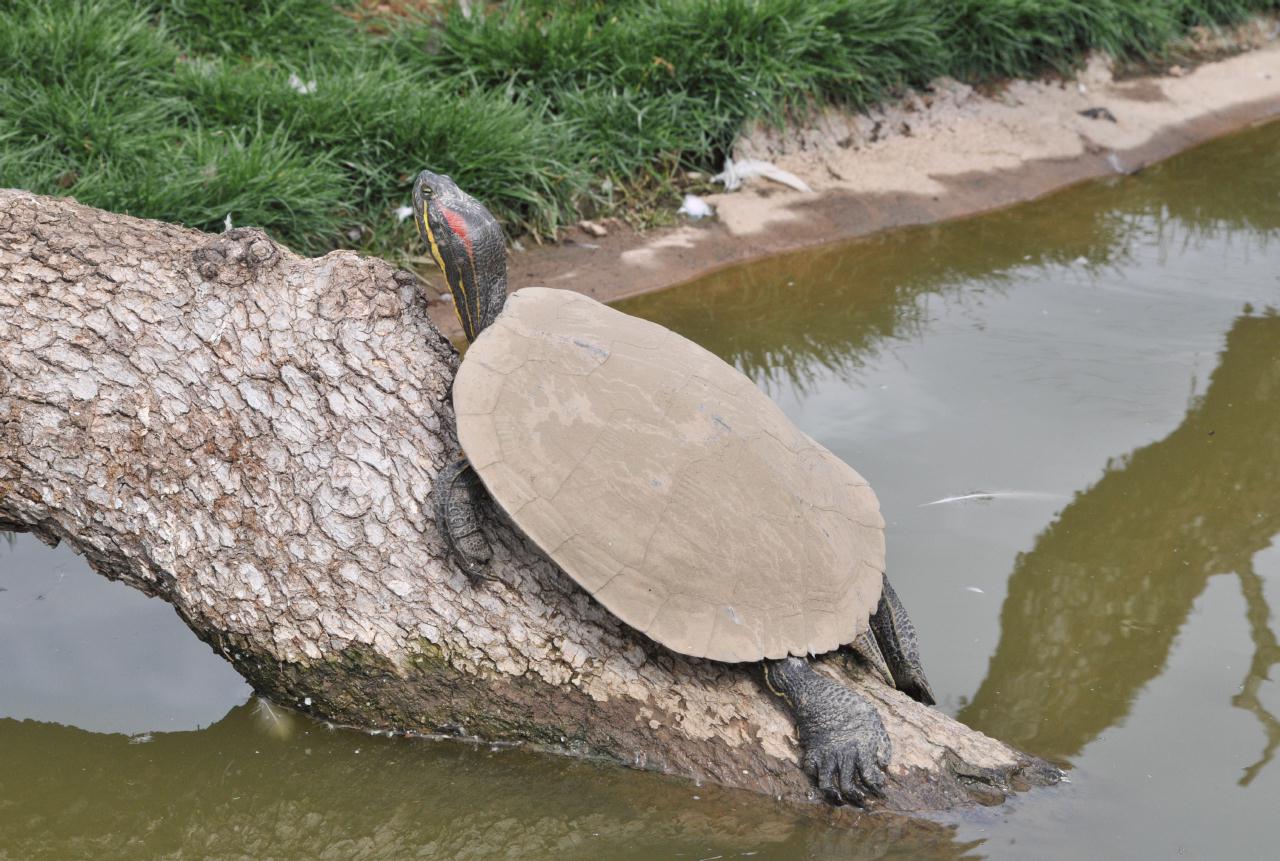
{"x":190,"y":110}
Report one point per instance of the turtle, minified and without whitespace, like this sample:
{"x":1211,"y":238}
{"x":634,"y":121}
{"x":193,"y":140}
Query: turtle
{"x":665,"y":483}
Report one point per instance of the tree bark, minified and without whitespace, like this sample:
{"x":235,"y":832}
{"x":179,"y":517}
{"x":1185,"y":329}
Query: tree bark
{"x":252,"y":436}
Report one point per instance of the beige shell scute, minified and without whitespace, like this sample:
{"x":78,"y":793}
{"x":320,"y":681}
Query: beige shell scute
{"x":666,"y":483}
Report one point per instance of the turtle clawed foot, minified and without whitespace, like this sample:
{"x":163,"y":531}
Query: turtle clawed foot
{"x":473,"y":556}
{"x":850,"y":767}
{"x":459,"y":498}
{"x":846,"y":747}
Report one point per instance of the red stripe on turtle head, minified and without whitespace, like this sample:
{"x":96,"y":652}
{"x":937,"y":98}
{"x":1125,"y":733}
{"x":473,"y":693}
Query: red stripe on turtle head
{"x":458,"y":225}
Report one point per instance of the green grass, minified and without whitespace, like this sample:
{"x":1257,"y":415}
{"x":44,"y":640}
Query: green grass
{"x":182,"y":110}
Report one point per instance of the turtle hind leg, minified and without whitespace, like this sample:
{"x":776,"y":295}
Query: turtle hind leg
{"x":897,"y":639}
{"x":458,"y":496}
{"x":846,"y":747}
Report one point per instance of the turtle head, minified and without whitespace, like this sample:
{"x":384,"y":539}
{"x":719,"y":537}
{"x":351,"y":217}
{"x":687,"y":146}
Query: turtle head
{"x":468,"y":245}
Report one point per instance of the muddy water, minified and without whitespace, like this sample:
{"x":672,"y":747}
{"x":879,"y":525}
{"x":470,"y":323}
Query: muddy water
{"x":1071,"y":411}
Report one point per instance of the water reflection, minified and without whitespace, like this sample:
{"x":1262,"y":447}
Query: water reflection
{"x":1266,"y":654}
{"x":241,"y":788}
{"x":80,"y":649}
{"x":788,"y":320}
{"x":1093,"y":609}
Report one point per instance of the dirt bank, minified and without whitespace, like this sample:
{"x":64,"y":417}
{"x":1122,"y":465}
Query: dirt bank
{"x":941,"y":154}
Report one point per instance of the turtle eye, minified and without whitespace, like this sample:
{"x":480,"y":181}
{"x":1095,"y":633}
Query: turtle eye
{"x":427,"y":191}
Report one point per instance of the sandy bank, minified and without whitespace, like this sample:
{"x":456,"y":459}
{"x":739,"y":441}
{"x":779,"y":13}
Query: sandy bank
{"x":945,"y":153}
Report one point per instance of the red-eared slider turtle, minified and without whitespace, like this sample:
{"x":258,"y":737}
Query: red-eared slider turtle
{"x":667,"y":485}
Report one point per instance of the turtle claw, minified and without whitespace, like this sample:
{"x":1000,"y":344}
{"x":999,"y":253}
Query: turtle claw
{"x":846,"y":747}
{"x":849,"y":770}
{"x":823,"y":769}
{"x":473,"y":554}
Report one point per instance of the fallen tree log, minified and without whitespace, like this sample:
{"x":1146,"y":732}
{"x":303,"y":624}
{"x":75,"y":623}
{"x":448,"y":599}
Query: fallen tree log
{"x":252,"y":436}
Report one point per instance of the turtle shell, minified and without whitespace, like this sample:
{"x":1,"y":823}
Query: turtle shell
{"x":665,"y":483}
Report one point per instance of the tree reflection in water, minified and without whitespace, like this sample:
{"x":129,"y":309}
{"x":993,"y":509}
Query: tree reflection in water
{"x":787,"y":320}
{"x":1093,"y":609}
{"x":1266,"y":654}
{"x":265,"y":783}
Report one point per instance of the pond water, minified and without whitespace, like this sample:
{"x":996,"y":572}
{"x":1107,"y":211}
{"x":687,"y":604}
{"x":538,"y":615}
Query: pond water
{"x":1071,"y":413}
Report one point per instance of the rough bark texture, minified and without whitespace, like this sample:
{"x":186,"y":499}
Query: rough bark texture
{"x":252,"y":436}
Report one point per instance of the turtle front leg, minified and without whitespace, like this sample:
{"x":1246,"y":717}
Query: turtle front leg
{"x":896,"y":637}
{"x":458,"y":496}
{"x":846,"y":747}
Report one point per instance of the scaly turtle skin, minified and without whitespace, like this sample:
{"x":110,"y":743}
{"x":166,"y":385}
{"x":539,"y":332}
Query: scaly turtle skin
{"x":587,"y":424}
